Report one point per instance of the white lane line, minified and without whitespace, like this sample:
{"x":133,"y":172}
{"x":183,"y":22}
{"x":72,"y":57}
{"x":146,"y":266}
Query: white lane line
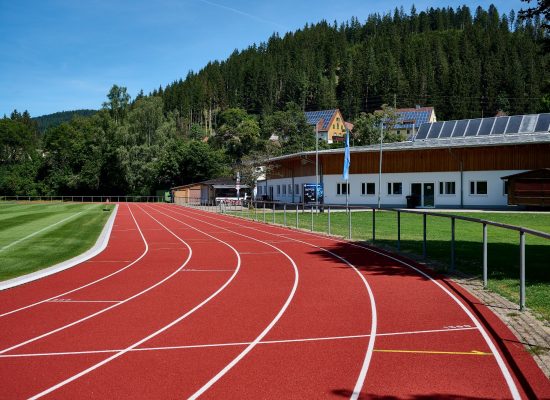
{"x":129,"y":348}
{"x":82,"y":301}
{"x":370,"y":348}
{"x":207,"y":270}
{"x":91,"y":283}
{"x":502,"y":365}
{"x":39,"y":231}
{"x":61,"y":328}
{"x":253,"y":344}
{"x":198,"y":346}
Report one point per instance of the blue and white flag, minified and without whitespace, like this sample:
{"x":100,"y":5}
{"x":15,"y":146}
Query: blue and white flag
{"x":346,"y":158}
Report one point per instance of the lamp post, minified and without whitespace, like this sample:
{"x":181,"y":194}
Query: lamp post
{"x":316,"y":167}
{"x":380,"y":165}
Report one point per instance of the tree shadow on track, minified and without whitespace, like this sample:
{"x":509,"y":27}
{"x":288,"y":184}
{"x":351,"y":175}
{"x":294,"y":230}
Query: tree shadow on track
{"x":347,"y":393}
{"x":377,"y":264}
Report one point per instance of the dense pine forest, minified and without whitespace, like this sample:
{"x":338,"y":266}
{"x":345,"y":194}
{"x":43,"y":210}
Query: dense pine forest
{"x":463,"y":63}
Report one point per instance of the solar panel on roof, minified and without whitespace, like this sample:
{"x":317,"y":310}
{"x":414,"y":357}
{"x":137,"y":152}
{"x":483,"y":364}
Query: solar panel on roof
{"x":460,"y":127}
{"x":528,"y":124}
{"x":447,"y":129}
{"x":473,"y":127}
{"x":543,"y":124}
{"x":514,"y":124}
{"x":436,"y":129}
{"x":500,"y":125}
{"x":486,"y":126}
{"x":423,"y":131}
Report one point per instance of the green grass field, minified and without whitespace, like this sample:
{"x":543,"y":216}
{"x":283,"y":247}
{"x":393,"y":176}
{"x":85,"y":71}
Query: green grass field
{"x":503,"y":245}
{"x":36,"y":236}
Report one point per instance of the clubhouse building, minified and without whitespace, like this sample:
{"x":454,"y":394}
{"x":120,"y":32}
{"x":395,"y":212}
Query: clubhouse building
{"x":446,"y":164}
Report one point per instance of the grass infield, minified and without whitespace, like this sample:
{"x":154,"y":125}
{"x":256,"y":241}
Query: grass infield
{"x":36,"y":236}
{"x":503,"y":244}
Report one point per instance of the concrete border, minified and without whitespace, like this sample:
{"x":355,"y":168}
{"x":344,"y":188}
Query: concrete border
{"x":98,"y":247}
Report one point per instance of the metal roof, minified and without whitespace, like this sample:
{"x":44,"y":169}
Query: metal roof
{"x":476,"y":141}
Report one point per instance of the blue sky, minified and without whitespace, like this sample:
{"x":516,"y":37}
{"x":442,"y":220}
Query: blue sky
{"x":65,"y":54}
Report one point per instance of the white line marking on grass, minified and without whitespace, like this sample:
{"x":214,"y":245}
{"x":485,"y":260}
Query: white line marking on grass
{"x":368,"y":355}
{"x":502,"y":365}
{"x":129,"y":348}
{"x":263,"y":342}
{"x":91,"y":283}
{"x":39,"y":231}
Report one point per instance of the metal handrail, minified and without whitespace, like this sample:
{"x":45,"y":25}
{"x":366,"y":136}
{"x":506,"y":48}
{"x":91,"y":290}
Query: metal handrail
{"x":308,"y":207}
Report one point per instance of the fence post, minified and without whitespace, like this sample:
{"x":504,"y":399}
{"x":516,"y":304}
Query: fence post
{"x":284,"y":214}
{"x":297,"y":222}
{"x":264,"y":212}
{"x":329,"y":220}
{"x":398,"y":230}
{"x":521,"y":270}
{"x":485,"y":277}
{"x":373,"y":224}
{"x":274,"y":212}
{"x":452,"y":244}
{"x":424,"y":234}
{"x":349,"y":223}
{"x":311,"y":218}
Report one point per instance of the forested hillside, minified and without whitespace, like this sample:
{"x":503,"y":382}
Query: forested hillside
{"x":465,"y":64}
{"x":46,"y":121}
{"x":220,"y":119}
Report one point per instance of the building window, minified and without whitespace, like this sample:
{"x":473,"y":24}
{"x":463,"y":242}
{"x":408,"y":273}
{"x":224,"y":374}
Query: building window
{"x":395,"y":188}
{"x":289,"y":188}
{"x":505,"y":188}
{"x":447,"y":188}
{"x":367,"y":188}
{"x":284,"y":189}
{"x":260,"y":189}
{"x":297,"y":188}
{"x":342,"y":188}
{"x":278,"y":189}
{"x":478,"y":187}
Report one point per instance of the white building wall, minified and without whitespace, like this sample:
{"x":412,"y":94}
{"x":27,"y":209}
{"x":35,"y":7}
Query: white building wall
{"x":495,"y":196}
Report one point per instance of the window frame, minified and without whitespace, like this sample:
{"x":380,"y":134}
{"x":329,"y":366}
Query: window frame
{"x":365,"y":188}
{"x":391,"y":188}
{"x":444,"y":188}
{"x":475,"y":185}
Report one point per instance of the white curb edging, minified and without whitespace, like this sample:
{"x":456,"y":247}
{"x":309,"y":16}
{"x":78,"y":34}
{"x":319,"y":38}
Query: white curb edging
{"x":98,"y":247}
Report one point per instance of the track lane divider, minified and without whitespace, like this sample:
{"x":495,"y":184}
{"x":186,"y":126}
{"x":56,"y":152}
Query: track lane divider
{"x":166,"y":327}
{"x":270,"y":326}
{"x":90,"y":283}
{"x":502,"y":365}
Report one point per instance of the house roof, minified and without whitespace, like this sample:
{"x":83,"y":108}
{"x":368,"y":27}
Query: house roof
{"x":223,"y":182}
{"x":321,"y":118}
{"x":407,"y":118}
{"x":480,"y":141}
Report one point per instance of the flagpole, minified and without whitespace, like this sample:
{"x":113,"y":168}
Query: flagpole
{"x":347,"y":161}
{"x":380,"y":166}
{"x":316,"y":167}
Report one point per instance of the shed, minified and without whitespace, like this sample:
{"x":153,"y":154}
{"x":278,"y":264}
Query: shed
{"x":208,"y":191}
{"x":531,"y":188}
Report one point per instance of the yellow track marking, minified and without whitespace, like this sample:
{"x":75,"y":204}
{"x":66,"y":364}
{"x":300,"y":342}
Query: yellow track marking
{"x":466,"y":353}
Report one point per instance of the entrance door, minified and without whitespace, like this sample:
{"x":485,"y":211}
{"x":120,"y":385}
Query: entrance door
{"x":428,"y":199}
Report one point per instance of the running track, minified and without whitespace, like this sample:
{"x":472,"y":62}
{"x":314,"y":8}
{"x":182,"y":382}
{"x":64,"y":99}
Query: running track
{"x":187,"y":304}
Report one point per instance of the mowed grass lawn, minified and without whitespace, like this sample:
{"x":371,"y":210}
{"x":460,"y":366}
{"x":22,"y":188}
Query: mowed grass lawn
{"x":36,"y":236}
{"x":503,"y":245}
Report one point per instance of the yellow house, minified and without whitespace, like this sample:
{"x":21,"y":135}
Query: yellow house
{"x":330,"y":124}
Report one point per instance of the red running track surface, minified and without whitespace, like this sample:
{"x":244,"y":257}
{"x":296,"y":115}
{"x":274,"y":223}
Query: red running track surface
{"x":187,"y":304}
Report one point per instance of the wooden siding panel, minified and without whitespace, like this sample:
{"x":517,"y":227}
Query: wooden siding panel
{"x":495,"y":158}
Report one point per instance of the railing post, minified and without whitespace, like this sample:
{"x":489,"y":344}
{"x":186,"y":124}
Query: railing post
{"x":424,"y":252}
{"x":373,"y":224}
{"x":398,"y":230}
{"x":328,"y":220}
{"x":284,"y":214}
{"x":485,"y":275}
{"x":521,"y":270}
{"x":311,"y":218}
{"x":264,"y":212}
{"x":349,"y":223}
{"x":297,"y":223}
{"x":452,"y":244}
{"x":273,"y":212}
